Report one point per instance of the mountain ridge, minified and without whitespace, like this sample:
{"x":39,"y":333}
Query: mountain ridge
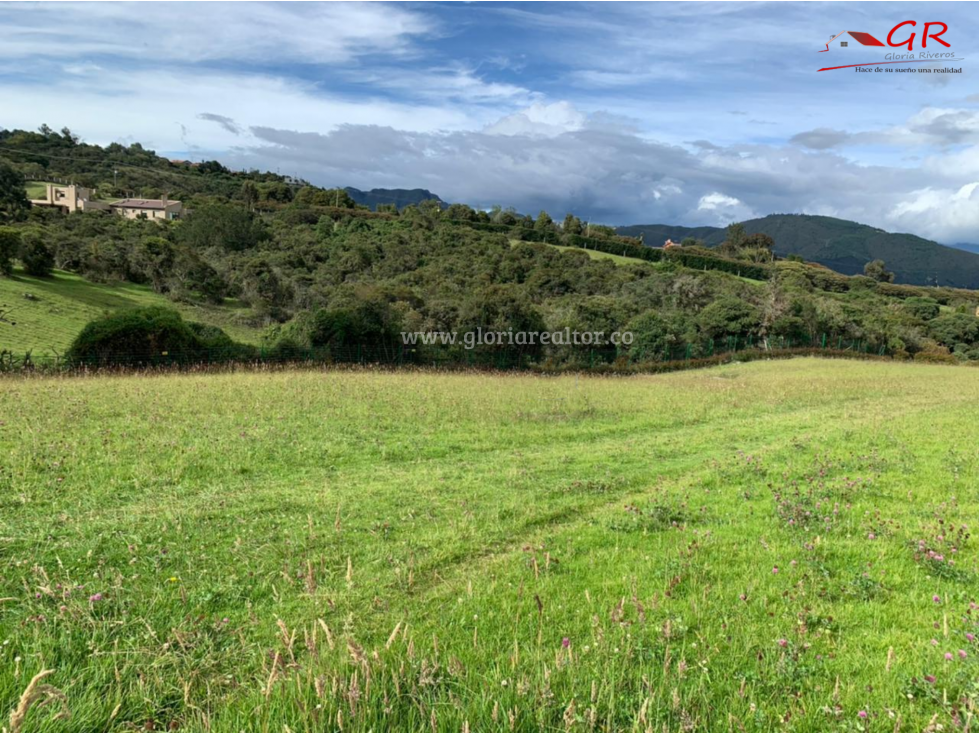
{"x":399,"y":197}
{"x":842,"y":245}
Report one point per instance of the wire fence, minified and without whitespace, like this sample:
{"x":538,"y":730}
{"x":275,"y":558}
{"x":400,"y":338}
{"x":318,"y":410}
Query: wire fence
{"x":450,"y":356}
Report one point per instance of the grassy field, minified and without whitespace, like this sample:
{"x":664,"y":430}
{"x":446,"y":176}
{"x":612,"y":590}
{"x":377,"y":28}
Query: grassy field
{"x":66,"y":302}
{"x":593,"y":254}
{"x":36,"y":189}
{"x":771,"y":546}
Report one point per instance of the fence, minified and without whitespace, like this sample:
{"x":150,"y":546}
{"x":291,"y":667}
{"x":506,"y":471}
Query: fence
{"x":454,"y":356}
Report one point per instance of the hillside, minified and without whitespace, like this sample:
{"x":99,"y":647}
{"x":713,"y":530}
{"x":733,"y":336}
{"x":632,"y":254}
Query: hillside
{"x":841,"y":245}
{"x":398,"y":197}
{"x":118,"y":170}
{"x":61,"y":305}
{"x":323,"y":272}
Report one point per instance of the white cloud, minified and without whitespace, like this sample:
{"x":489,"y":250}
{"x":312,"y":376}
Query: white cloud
{"x":545,"y":120}
{"x":150,"y":106}
{"x":162,"y":33}
{"x":724,"y":209}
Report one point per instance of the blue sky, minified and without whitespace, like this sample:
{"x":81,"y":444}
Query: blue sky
{"x":689,"y":113}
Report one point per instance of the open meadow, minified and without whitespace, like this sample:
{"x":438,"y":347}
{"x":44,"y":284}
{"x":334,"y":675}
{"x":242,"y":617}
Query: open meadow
{"x":766,"y":546}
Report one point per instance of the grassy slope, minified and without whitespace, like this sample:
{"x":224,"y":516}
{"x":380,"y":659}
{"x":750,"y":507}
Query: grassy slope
{"x":66,"y":302}
{"x":484,"y":519}
{"x":593,"y":254}
{"x":36,"y":189}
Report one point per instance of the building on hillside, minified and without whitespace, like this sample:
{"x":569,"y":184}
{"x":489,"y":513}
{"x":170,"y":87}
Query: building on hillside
{"x":69,"y":198}
{"x":148,"y":208}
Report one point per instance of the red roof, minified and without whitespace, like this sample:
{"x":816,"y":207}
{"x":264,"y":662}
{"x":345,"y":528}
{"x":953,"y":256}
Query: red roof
{"x":860,"y":37}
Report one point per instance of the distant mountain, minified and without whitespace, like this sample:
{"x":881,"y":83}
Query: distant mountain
{"x":967,"y":246}
{"x":399,"y":197}
{"x":841,"y":245}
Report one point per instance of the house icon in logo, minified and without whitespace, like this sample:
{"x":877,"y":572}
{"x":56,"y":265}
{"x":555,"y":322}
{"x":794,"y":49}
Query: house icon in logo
{"x":842,"y":40}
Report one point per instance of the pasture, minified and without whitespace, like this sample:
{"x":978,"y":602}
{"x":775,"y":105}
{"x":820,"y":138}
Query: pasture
{"x":767,"y":546}
{"x":47,"y":313}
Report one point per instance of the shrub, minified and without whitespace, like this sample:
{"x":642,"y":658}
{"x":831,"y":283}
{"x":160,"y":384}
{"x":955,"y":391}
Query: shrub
{"x":953,"y":328}
{"x":148,"y":336}
{"x":728,"y":315}
{"x":923,"y":308}
{"x":937,"y":355}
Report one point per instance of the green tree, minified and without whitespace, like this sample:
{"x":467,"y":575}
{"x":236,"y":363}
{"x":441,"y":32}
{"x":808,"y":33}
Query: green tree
{"x":37,"y":258}
{"x":732,"y":244}
{"x":728,"y":316}
{"x":249,"y":194}
{"x":224,"y":226}
{"x":572,"y":225}
{"x":876,"y":270}
{"x":312,"y":196}
{"x":544,"y":223}
{"x":9,"y":249}
{"x":14,"y":203}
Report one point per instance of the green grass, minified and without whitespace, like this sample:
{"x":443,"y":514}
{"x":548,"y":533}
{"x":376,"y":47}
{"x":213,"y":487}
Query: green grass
{"x":66,"y":302}
{"x":36,"y":189}
{"x":504,"y":552}
{"x":593,"y":254}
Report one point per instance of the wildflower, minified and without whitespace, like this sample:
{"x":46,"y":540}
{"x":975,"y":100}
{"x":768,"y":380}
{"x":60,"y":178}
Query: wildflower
{"x":930,"y":678}
{"x":962,"y":654}
{"x":871,"y":536}
{"x":95,"y":597}
{"x":970,"y":637}
{"x":565,"y":642}
{"x":862,"y":714}
{"x":774,"y":569}
{"x":172,"y":579}
{"x":934,"y":642}
{"x":936,"y":598}
{"x":948,"y":656}
{"x":783,"y":642}
{"x":743,"y":597}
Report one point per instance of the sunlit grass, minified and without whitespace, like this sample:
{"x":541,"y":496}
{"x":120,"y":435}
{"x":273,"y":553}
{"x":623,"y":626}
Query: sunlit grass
{"x":760,"y":546}
{"x":61,"y":306}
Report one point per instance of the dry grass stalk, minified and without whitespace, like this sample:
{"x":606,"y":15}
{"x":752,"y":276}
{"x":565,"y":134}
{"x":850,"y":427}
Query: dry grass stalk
{"x":40,"y":694}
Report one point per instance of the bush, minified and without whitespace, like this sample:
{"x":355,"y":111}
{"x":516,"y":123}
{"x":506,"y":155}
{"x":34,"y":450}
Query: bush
{"x":728,"y":316}
{"x":38,"y":260}
{"x":153,"y":335}
{"x":925,"y":309}
{"x":936,"y":355}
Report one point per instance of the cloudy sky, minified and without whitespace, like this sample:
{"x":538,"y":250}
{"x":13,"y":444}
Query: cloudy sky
{"x":683,"y":113}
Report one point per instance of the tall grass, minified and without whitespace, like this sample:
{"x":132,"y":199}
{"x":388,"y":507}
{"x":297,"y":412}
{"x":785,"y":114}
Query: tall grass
{"x":772,"y":546}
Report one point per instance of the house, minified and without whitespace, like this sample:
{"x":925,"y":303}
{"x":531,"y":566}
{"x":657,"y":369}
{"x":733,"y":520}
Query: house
{"x":843,"y":38}
{"x":69,"y":198}
{"x":148,"y":208}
